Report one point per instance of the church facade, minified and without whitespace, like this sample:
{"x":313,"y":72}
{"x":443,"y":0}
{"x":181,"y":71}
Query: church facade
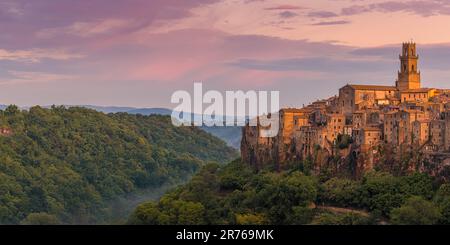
{"x":357,"y":121}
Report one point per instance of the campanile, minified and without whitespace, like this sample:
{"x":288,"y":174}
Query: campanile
{"x":409,"y":74}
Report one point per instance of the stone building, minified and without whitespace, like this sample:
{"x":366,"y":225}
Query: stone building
{"x":421,"y":131}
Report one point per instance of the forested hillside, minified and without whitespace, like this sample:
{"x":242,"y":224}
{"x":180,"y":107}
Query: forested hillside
{"x":236,"y":194}
{"x":62,"y":165}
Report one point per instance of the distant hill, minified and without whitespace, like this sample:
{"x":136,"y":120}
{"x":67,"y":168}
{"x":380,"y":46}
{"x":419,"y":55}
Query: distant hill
{"x":63,"y":165}
{"x":231,"y":135}
{"x":130,"y":110}
{"x":107,"y":109}
{"x":151,"y":111}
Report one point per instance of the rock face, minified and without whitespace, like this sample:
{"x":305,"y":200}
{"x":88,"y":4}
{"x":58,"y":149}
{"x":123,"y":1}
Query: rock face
{"x":351,"y":160}
{"x":258,"y":151}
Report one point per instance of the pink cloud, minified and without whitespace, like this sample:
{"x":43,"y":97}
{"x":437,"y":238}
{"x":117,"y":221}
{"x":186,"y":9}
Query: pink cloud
{"x":284,"y":7}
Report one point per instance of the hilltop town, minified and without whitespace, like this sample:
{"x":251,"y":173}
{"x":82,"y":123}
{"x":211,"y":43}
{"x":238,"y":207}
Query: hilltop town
{"x":404,"y":127}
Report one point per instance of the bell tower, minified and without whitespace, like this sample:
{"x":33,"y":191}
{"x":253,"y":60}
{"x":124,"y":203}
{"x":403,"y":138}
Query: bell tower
{"x":408,"y":76}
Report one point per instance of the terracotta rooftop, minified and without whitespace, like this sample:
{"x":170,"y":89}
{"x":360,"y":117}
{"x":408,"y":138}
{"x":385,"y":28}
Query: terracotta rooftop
{"x":371,"y":87}
{"x":391,"y":112}
{"x":372,"y":129}
{"x":292,"y":110}
{"x":419,"y":90}
{"x":427,"y":120}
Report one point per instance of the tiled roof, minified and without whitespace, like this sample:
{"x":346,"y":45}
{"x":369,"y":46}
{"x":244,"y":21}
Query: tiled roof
{"x":292,"y":109}
{"x":372,"y":129}
{"x":419,"y":90}
{"x":371,"y":87}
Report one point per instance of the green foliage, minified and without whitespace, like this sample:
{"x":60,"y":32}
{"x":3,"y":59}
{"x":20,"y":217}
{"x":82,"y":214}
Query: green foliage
{"x":291,"y":191}
{"x":442,"y":198}
{"x":416,"y":211}
{"x":343,"y":141}
{"x":341,"y":192}
{"x":68,"y":163}
{"x":417,"y":184}
{"x":442,"y":194}
{"x":300,"y":215}
{"x":236,"y":194}
{"x":40,"y":219}
{"x":250,"y":219}
{"x":168,"y":211}
{"x":445,"y":212}
{"x":380,"y":191}
{"x":327,"y":218}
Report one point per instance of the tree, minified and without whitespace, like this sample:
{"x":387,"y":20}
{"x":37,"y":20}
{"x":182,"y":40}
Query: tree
{"x":145,"y":214}
{"x":340,"y":219}
{"x":250,"y":219}
{"x":416,"y":211}
{"x":343,"y":141}
{"x":12,"y":110}
{"x":445,"y":212}
{"x":340,"y":192}
{"x":300,"y":215}
{"x":190,"y":213}
{"x":380,"y":191}
{"x":417,"y":184}
{"x":442,"y":194}
{"x":442,"y":198}
{"x":40,"y":219}
{"x":293,"y":190}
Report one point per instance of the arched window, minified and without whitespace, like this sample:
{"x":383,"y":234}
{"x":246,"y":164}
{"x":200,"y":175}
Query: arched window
{"x":412,"y":68}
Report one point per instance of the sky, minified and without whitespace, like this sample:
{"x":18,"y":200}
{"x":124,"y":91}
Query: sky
{"x":139,"y":52}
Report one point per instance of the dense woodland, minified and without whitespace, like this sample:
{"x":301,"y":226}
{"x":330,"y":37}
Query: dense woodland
{"x":236,"y":194}
{"x":62,"y":165}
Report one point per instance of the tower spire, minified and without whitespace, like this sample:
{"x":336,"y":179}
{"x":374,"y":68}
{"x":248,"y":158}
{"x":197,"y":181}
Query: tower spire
{"x":409,"y":74}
